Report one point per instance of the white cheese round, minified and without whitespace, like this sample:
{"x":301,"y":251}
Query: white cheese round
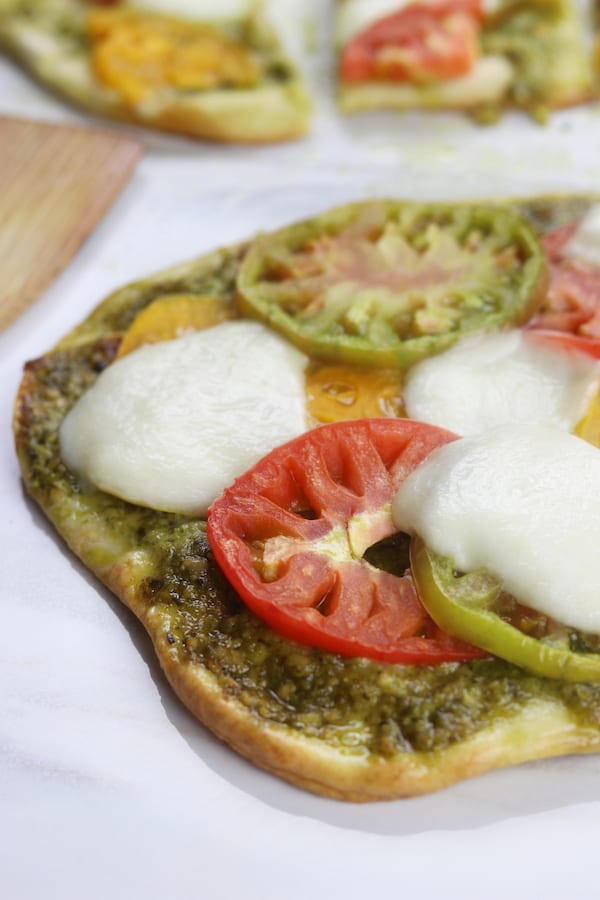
{"x":496,"y":379}
{"x":172,"y":424}
{"x":521,"y":502}
{"x":584,"y":244}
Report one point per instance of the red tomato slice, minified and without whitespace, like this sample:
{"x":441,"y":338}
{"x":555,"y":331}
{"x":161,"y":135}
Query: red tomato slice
{"x":290,"y":536}
{"x":572,"y":304}
{"x":426,"y":41}
{"x":554,"y":241}
{"x":575,"y":342}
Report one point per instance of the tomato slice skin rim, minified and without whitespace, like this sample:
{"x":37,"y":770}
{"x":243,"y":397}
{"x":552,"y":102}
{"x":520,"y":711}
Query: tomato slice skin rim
{"x":334,"y":343}
{"x":375,"y":614}
{"x":484,"y":628}
{"x":566,"y":340}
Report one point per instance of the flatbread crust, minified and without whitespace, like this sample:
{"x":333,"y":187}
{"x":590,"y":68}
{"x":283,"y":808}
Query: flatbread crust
{"x":551,"y":69}
{"x":47,"y":37}
{"x":350,"y":729}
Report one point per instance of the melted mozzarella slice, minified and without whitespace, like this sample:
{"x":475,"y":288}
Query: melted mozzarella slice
{"x":172,"y":424}
{"x":521,"y":502}
{"x":497,"y":379}
{"x":584,"y":244}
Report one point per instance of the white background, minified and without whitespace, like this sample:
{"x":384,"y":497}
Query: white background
{"x":108,"y":788}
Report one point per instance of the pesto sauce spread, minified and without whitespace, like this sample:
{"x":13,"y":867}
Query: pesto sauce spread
{"x":360,"y":704}
{"x":542,"y":42}
{"x":357,"y":705}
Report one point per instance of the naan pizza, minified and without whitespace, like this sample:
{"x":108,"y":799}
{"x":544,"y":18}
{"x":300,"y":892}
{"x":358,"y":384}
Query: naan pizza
{"x":251,"y":451}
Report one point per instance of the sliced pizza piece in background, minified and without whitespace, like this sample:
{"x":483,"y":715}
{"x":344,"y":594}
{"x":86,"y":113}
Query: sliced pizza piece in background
{"x":477,"y":55}
{"x":224,"y":77}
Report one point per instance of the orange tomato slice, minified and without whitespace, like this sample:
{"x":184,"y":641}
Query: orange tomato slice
{"x":138,"y":53}
{"x":338,"y":393}
{"x":171,"y":316}
{"x":589,"y":427}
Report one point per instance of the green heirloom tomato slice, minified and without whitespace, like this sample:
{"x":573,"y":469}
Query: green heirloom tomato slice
{"x":474,"y":607}
{"x":387,"y":283}
{"x":291,"y":536}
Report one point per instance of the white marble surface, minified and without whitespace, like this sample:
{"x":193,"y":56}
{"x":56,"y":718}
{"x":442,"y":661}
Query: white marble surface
{"x":108,"y":788}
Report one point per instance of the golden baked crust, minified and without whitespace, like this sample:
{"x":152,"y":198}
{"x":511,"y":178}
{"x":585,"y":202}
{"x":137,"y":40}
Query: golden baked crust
{"x":47,"y":37}
{"x":345,"y":728}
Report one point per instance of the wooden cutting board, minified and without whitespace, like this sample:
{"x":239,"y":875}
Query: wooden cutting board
{"x":56,"y":182}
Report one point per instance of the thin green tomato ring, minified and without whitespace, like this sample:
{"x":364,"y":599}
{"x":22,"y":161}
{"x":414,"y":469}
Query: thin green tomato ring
{"x":485,"y":629}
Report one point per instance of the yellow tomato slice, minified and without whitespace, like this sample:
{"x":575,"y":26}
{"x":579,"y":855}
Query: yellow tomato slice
{"x":137,"y":53}
{"x":589,"y":427}
{"x":334,"y":393}
{"x":172,"y":315}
